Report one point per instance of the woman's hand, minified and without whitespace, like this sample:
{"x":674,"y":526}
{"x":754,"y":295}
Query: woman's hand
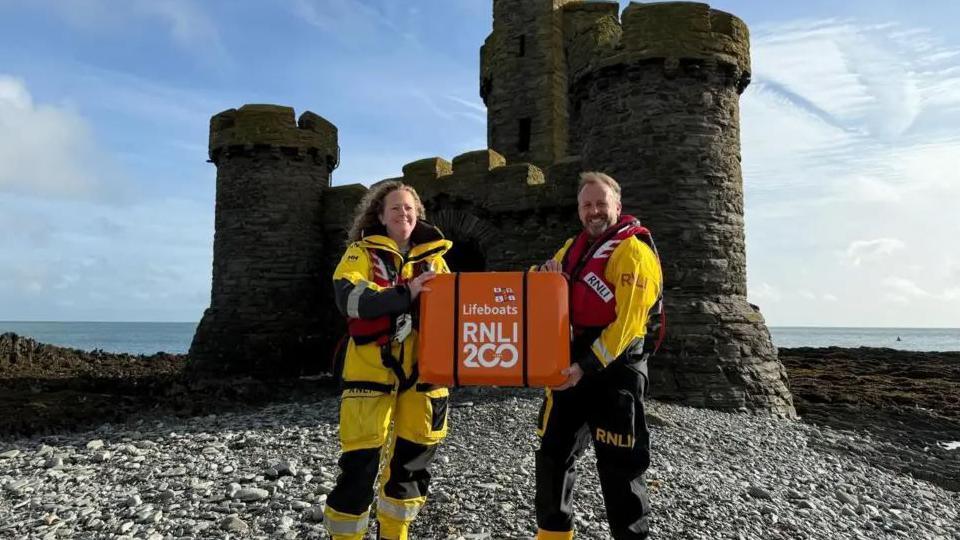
{"x":551,"y":266}
{"x":416,"y":285}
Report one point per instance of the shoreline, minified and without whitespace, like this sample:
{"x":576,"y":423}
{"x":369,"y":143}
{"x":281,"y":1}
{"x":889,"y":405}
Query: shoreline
{"x":910,"y":398}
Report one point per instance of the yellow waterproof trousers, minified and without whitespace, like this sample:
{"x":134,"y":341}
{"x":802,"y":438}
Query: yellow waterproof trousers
{"x":419,"y":418}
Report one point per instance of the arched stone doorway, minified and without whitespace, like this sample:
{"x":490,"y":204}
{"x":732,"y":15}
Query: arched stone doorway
{"x":465,"y":256}
{"x":471,"y":237}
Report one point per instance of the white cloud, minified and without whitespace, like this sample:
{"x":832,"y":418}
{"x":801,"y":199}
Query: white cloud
{"x":44,"y":149}
{"x":860,"y":250}
{"x":905,"y":287}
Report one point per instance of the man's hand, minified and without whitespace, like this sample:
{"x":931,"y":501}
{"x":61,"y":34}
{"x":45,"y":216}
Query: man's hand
{"x":551,"y":266}
{"x":416,"y":285}
{"x":574,"y":373}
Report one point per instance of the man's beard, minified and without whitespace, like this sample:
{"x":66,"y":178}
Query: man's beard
{"x":595,"y":227}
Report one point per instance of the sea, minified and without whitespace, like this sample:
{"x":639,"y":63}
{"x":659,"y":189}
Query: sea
{"x":175,"y":337}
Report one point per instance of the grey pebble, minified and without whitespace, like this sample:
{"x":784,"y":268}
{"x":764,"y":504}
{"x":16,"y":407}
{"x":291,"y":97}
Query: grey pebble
{"x":252,"y":494}
{"x":233,"y":523}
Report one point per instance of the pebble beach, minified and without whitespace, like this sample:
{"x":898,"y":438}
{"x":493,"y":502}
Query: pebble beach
{"x":265,"y":473}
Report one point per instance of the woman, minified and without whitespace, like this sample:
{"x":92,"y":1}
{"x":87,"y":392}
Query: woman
{"x":392,"y":255}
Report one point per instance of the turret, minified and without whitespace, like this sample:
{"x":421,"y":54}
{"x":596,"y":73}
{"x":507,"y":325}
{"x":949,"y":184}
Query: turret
{"x":523,"y":81}
{"x":265,"y":315}
{"x":659,"y":111}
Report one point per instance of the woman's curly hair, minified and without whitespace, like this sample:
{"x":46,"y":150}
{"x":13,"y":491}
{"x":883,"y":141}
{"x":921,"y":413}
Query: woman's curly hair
{"x":368,"y":211}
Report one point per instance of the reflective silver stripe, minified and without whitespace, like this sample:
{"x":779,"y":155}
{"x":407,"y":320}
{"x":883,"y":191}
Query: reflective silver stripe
{"x":604,"y":354}
{"x":397,"y":511}
{"x":353,"y":300}
{"x":335,"y":526}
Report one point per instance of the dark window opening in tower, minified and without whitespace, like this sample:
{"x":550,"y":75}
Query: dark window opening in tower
{"x":465,"y":256}
{"x":522,"y":49}
{"x":523,"y":141}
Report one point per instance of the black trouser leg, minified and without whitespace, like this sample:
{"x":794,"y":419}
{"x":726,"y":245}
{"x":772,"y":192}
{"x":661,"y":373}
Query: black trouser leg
{"x":565,"y":437}
{"x":409,"y":472}
{"x":622,"y":443}
{"x":354,"y":490}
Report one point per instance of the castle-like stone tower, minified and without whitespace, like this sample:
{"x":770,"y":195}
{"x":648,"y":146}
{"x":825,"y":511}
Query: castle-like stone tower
{"x":659,"y":110}
{"x":268,"y":305}
{"x":652,"y":97}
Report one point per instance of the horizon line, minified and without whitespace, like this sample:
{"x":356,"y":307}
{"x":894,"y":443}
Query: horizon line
{"x":768,"y":326}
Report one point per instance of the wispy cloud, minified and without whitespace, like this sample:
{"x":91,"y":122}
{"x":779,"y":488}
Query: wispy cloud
{"x":905,"y":287}
{"x":474,"y":105}
{"x":850,"y":156}
{"x":348,"y":21}
{"x":187,"y":24}
{"x":860,"y":250}
{"x":451,"y":107}
{"x":154,"y":101}
{"x":852,"y":113}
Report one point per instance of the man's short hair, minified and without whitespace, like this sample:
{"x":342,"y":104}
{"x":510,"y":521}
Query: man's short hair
{"x":599,"y":178}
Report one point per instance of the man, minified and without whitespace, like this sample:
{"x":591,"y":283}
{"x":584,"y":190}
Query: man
{"x":615,"y":308}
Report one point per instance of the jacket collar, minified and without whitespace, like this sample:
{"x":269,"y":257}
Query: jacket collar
{"x":425,"y":240}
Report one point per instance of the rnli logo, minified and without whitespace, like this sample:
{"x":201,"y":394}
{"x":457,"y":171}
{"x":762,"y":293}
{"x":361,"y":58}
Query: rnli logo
{"x":503,"y":294}
{"x":633,"y":279}
{"x":594,"y":282}
{"x":614,"y":439}
{"x":490,"y":344}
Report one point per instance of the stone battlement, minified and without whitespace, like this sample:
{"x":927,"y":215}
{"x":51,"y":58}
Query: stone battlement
{"x":672,"y":31}
{"x":467,"y":167}
{"x":273,"y":126}
{"x":505,"y":186}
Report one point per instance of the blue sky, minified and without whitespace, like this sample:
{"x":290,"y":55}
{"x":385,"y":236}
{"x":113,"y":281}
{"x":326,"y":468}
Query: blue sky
{"x":851,"y":149}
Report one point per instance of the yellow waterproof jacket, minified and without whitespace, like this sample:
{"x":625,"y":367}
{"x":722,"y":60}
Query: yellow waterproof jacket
{"x":358,"y":295}
{"x":634,"y":270}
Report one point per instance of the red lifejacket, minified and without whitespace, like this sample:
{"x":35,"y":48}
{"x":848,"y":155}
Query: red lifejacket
{"x":592,"y":300}
{"x":384,"y":275}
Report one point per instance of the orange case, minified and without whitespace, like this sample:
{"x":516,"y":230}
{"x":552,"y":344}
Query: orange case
{"x":486,"y":328}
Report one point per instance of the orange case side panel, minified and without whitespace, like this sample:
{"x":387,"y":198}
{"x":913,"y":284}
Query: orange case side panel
{"x":436,"y":328}
{"x":549,"y":333}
